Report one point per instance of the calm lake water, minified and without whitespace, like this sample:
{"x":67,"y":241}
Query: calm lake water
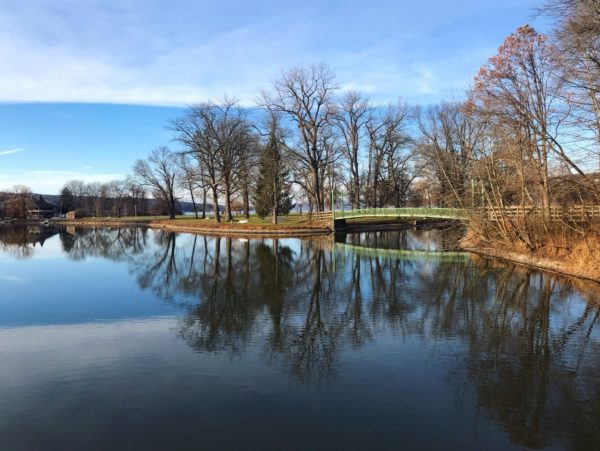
{"x":129,"y":339}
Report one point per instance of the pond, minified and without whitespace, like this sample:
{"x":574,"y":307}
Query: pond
{"x":130,"y":338}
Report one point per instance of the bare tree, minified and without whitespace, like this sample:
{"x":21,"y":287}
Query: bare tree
{"x":518,"y":88}
{"x":389,"y":155}
{"x":17,"y":205}
{"x":220,"y":136}
{"x":117,"y":193}
{"x":449,"y":137}
{"x":97,"y":193}
{"x":194,"y":131}
{"x":245,"y":173}
{"x":304,"y":96}
{"x":191,"y":179}
{"x":78,"y":190}
{"x":577,"y":35}
{"x":159,"y":172}
{"x":136,"y":195}
{"x":351,"y":118}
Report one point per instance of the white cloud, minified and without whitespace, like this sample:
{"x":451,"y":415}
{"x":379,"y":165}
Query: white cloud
{"x":161,"y":53}
{"x":11,"y":151}
{"x":11,"y":278}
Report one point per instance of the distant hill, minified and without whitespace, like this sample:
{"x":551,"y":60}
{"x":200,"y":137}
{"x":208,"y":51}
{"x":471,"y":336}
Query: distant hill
{"x":51,"y":198}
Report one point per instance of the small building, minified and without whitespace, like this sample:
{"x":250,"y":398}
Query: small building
{"x":38,"y":208}
{"x":27,"y":206}
{"x":71,"y":215}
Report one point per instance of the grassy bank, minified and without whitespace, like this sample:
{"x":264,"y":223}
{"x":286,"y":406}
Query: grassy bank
{"x":292,"y":225}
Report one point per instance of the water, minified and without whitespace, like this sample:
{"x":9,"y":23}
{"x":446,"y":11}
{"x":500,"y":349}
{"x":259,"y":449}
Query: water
{"x":140,"y":339}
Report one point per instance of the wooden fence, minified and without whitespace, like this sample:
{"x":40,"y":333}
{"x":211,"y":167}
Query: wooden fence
{"x":572,"y":213}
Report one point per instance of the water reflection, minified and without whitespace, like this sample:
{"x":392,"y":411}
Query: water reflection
{"x":21,"y":242}
{"x":424,"y":239}
{"x":524,"y":343}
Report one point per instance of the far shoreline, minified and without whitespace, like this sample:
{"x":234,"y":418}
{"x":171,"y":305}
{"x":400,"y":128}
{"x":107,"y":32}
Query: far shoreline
{"x":316,"y":228}
{"x":200,"y":226}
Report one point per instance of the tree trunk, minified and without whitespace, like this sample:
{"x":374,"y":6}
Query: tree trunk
{"x":193,"y":202}
{"x":275,"y":200}
{"x":317,"y":185}
{"x":228,"y":215}
{"x":216,"y":204}
{"x":356,"y":196}
{"x":171,"y":206}
{"x":246,"y":203}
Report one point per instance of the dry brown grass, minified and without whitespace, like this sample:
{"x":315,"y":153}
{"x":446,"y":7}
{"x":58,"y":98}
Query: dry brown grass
{"x":567,"y":251}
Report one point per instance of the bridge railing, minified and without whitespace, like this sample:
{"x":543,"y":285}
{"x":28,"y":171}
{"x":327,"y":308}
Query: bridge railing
{"x":416,"y":213}
{"x":407,"y":212}
{"x":555,"y":213}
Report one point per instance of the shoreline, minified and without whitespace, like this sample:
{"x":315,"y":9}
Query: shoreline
{"x":265,"y":230}
{"x":281,"y":231}
{"x":530,"y":261}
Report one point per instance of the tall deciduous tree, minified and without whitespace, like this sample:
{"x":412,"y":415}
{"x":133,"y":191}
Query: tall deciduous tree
{"x":159,"y":172}
{"x":519,"y":89}
{"x":18,"y":205}
{"x":219,"y":136}
{"x":351,"y":118}
{"x":389,"y":155}
{"x":449,"y":138}
{"x":190,"y":179}
{"x":577,"y":35}
{"x":304,"y":95}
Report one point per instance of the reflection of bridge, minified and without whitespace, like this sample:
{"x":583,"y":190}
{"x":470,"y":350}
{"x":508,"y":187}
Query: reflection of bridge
{"x":401,"y":254}
{"x":339,"y":217}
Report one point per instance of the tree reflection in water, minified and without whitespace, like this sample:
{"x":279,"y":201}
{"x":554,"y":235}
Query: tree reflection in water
{"x":529,"y":344}
{"x":21,"y":241}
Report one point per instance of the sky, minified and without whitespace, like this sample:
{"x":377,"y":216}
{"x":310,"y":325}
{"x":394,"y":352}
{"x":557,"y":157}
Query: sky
{"x":87,"y":87}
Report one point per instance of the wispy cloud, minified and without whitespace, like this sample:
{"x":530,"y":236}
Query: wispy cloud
{"x":11,"y":278}
{"x":11,"y":151}
{"x":117,"y":52}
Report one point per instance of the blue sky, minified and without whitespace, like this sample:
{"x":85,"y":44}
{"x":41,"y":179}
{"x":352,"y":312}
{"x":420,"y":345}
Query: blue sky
{"x":86,"y":87}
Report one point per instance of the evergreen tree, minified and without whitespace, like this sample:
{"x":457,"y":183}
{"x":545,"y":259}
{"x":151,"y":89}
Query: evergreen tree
{"x":67,"y":201}
{"x":272,"y":193}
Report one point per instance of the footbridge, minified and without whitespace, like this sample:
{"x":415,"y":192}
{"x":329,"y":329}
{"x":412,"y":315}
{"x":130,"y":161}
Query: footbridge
{"x":339,"y":217}
{"x":572,"y":213}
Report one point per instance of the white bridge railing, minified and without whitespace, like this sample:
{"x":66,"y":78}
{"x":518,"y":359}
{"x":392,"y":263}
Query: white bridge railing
{"x":554,"y":213}
{"x":414,"y":213}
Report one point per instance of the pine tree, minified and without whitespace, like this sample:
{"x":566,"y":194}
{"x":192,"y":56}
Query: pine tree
{"x":67,"y":200}
{"x":272,"y":193}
